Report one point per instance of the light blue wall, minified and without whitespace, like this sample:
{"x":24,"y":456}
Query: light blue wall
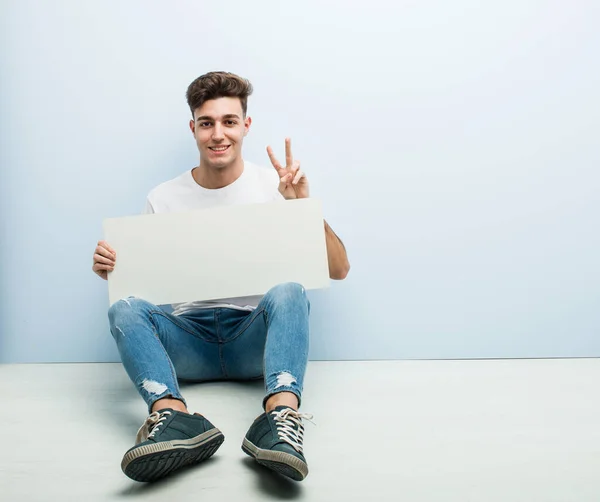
{"x":454,"y":145}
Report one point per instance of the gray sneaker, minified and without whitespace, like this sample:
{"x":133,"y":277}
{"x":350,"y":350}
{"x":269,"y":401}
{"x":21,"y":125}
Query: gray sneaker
{"x":275,"y":440}
{"x":169,"y":440}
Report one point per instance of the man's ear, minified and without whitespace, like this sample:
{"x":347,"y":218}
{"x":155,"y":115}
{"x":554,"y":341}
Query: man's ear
{"x":247,"y":124}
{"x":192,"y":127}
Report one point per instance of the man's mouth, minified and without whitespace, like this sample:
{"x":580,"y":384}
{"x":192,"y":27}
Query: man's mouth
{"x":218,"y":148}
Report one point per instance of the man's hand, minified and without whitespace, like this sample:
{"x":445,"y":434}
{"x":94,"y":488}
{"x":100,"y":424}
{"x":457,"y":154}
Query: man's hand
{"x":293,"y":183}
{"x":104,"y":259}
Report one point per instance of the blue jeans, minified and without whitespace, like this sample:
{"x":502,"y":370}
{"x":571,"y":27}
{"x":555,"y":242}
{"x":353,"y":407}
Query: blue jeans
{"x":158,"y":348}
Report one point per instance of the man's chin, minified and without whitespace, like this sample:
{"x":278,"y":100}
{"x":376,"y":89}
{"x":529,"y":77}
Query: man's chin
{"x":219,"y":163}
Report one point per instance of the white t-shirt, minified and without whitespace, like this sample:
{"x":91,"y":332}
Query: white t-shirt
{"x":255,"y":185}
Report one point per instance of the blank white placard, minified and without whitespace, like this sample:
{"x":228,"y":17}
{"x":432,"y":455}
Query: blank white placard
{"x":220,"y":252}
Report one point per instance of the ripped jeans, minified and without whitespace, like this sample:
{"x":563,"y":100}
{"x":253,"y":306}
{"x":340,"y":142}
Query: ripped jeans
{"x":158,"y":349}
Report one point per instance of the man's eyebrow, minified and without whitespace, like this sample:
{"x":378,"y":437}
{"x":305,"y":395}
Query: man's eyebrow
{"x":228,"y":116}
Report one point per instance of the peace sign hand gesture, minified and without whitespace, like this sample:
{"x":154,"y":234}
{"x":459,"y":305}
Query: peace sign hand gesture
{"x":293,"y":183}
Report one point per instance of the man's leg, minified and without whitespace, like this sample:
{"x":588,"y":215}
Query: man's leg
{"x":276,"y":335}
{"x":152,"y":345}
{"x":287,"y":312}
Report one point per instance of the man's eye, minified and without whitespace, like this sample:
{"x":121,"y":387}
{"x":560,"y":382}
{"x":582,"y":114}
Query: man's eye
{"x":231,"y":122}
{"x":204,"y":124}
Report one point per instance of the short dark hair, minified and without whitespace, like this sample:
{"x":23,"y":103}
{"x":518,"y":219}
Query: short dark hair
{"x":218,"y":84}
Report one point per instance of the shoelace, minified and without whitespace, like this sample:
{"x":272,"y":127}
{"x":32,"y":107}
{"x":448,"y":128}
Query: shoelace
{"x":151,"y":426}
{"x":290,"y":428}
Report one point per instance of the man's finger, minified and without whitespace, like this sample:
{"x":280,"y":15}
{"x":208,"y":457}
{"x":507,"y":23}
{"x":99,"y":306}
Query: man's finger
{"x":299,"y":174}
{"x":99,"y":267}
{"x":105,"y":245}
{"x":98,"y":258}
{"x":101,"y":259}
{"x":286,"y":179}
{"x":105,"y":252}
{"x":289,"y":160}
{"x":274,"y":161}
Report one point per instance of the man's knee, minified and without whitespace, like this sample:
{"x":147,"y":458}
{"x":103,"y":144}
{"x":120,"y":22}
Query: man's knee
{"x":289,"y":292}
{"x":127,"y":308}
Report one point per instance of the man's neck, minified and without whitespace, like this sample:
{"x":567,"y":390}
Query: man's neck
{"x":212,"y":178}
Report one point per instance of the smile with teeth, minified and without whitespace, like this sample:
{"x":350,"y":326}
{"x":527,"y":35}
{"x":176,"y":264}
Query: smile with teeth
{"x":218,"y":148}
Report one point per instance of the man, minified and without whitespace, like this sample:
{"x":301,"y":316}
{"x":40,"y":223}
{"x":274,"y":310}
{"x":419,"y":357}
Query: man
{"x":234,"y":338}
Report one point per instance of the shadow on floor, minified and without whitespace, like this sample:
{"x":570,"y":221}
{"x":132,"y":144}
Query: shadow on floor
{"x":268,"y":483}
{"x":136,"y":489}
{"x":272,"y":484}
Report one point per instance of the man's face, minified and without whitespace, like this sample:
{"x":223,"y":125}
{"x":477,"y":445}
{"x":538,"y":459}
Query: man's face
{"x":219,"y":128}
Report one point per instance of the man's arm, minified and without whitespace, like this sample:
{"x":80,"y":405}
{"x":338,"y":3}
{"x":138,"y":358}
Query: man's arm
{"x":293,"y":184}
{"x":339,"y":266}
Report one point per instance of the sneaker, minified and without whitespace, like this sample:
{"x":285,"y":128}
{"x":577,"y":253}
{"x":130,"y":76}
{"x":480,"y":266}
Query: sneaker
{"x":169,"y":440}
{"x":275,"y":441}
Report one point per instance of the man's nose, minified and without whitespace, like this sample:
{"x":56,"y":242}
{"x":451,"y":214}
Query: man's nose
{"x":218,"y":132}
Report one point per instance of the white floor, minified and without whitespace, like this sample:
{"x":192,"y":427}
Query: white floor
{"x":484,"y":431}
